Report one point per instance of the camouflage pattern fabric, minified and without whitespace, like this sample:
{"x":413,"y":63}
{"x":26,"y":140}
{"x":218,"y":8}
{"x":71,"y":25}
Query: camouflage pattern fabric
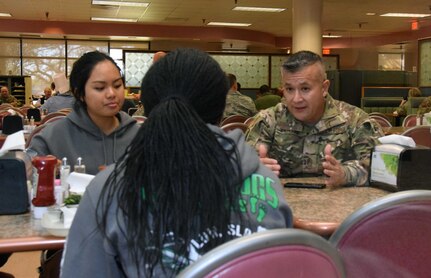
{"x":12,"y":100}
{"x":239,"y":104}
{"x":299,"y":148}
{"x":402,"y":110}
{"x":424,"y":107}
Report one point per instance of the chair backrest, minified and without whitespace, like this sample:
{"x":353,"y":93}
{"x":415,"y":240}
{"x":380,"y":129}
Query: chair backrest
{"x":388,"y":237}
{"x":421,"y":134}
{"x":132,"y":110}
{"x":381,"y":120}
{"x":12,"y":124}
{"x":35,"y":113}
{"x":232,"y":126}
{"x":249,"y":121}
{"x":409,"y":120}
{"x":52,"y":115}
{"x":271,"y":253}
{"x":65,"y":110}
{"x":35,"y":131}
{"x":139,"y":119}
{"x":233,"y":119}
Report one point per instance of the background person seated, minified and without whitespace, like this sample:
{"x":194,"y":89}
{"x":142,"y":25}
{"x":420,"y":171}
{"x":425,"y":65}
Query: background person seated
{"x":265,"y":99}
{"x":237,"y":103}
{"x":402,"y":109}
{"x":6,"y":97}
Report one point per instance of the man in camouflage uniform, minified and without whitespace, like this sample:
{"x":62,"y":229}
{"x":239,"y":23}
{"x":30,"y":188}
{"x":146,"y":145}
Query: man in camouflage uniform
{"x":237,"y":103}
{"x":310,"y":133}
{"x":5,"y":97}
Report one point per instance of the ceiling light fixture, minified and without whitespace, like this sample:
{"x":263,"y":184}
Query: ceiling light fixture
{"x":118,"y":3}
{"x":404,"y":15}
{"x":5,"y":15}
{"x":113,"y":19}
{"x":229,"y":24}
{"x":258,"y":9}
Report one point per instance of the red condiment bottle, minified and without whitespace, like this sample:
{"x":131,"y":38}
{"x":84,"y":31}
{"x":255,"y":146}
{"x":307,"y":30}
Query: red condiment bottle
{"x":45,"y":166}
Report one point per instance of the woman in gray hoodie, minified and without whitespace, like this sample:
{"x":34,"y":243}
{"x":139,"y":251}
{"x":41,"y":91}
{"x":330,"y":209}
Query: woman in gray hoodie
{"x":182,"y":188}
{"x":96,"y":130}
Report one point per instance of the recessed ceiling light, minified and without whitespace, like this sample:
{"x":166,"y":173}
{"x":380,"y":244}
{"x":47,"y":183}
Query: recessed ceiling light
{"x":258,"y":9}
{"x":370,"y":13}
{"x":405,"y":15}
{"x":114,"y":19}
{"x":331,"y":36}
{"x":229,"y":24}
{"x":118,"y":3}
{"x":5,"y":14}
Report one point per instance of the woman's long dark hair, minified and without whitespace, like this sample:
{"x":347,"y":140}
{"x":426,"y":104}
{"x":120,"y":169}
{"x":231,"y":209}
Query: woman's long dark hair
{"x":177,"y":179}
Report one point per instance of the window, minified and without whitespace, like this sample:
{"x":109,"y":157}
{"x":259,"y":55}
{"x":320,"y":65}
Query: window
{"x":391,"y":61}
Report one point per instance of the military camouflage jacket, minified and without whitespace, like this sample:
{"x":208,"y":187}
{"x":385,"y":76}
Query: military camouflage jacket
{"x":299,"y":148}
{"x":239,"y":104}
{"x":12,"y":100}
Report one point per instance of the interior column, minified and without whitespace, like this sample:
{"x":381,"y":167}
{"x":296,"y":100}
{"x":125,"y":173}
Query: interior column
{"x":306,"y":25}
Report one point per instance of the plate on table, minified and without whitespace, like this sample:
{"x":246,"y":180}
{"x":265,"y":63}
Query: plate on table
{"x":52,"y":222}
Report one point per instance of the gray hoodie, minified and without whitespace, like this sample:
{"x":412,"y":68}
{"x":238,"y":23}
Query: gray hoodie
{"x":89,"y":254}
{"x":77,"y":136}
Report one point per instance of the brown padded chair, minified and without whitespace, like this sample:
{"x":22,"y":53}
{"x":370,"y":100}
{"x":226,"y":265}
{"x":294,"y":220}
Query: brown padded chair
{"x":381,"y":120}
{"x":233,"y":119}
{"x":421,"y":134}
{"x":52,"y":115}
{"x":409,"y":120}
{"x":270,"y":253}
{"x":232,"y":126}
{"x":35,"y":131}
{"x":388,"y":237}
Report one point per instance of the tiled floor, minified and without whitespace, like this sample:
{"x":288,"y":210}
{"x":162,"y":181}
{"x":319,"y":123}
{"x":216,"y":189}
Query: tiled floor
{"x":23,"y":264}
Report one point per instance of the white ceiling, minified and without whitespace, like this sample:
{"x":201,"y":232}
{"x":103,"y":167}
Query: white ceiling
{"x":340,"y":17}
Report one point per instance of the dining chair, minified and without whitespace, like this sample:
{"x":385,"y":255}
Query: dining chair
{"x":232,"y":126}
{"x":381,"y":120}
{"x":421,"y":134}
{"x":35,"y":131}
{"x":52,"y":115}
{"x":409,"y":120}
{"x":249,"y":121}
{"x":388,"y":237}
{"x":139,"y":119}
{"x":233,"y":119}
{"x":65,"y":110}
{"x":271,"y":253}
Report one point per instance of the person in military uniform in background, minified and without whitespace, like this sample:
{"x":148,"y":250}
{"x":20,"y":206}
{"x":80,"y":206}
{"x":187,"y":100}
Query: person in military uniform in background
{"x":5,"y":97}
{"x":312,"y":134}
{"x":237,"y":103}
{"x":424,"y":107}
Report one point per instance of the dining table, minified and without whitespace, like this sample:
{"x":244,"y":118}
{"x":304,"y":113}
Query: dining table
{"x":318,"y":210}
{"x":22,"y":233}
{"x":322,"y":210}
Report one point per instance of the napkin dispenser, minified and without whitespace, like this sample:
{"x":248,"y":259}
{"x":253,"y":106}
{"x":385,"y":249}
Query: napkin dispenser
{"x":396,"y":168}
{"x":15,"y":169}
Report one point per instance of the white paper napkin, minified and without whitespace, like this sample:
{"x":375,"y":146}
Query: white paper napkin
{"x":14,"y":141}
{"x":68,"y":215}
{"x":398,"y":139}
{"x":78,"y":182}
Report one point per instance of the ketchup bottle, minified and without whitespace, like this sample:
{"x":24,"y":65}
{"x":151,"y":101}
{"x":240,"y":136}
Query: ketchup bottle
{"x":45,"y":166}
